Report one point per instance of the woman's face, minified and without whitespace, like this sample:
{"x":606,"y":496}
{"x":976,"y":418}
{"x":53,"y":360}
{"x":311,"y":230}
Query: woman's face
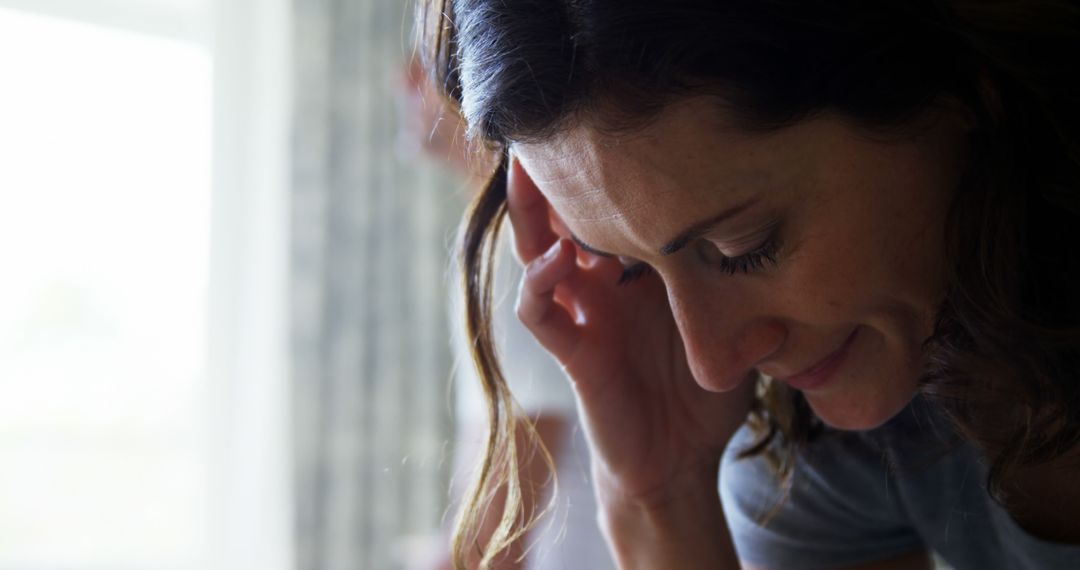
{"x":812,"y":253}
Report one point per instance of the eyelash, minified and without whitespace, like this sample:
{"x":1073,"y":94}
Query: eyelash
{"x":757,"y":260}
{"x":634,"y":272}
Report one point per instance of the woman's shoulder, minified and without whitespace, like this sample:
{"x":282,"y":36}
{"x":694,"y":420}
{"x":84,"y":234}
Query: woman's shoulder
{"x":860,"y":496}
{"x":839,"y":506}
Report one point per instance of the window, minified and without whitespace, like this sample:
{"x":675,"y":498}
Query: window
{"x":104,"y":225}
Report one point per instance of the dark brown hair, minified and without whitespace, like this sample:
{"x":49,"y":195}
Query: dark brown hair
{"x":1004,"y":358}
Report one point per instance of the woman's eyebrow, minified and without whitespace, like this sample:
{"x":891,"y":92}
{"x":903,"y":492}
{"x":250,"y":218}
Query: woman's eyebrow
{"x":686,"y":236}
{"x":703,"y":227}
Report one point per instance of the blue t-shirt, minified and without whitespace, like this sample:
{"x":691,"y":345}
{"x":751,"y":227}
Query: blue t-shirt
{"x":858,"y":497}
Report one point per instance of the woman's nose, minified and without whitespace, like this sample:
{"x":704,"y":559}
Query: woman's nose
{"x":725,"y":334}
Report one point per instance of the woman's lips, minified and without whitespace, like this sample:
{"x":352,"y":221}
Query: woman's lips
{"x":820,"y":373}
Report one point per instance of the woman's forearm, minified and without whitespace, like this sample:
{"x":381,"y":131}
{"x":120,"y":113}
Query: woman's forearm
{"x":684,"y":530}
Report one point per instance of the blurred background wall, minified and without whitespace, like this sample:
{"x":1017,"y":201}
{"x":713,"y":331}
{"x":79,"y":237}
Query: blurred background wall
{"x":222,"y":288}
{"x":368,"y":274}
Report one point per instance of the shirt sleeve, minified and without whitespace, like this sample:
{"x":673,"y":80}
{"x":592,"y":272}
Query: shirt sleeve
{"x":841,"y":509}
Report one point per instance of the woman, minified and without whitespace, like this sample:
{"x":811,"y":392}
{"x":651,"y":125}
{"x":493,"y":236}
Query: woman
{"x":800,"y":236}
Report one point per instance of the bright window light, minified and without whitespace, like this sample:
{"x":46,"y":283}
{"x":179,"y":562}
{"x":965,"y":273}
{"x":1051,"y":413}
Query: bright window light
{"x":104,"y":194}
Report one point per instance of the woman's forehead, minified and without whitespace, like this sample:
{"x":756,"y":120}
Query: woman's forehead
{"x":655,"y":179}
{"x":629,"y":211}
{"x":597,"y":184}
{"x":601,"y":199}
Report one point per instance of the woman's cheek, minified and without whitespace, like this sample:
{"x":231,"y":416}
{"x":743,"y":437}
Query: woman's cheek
{"x":822,"y":286}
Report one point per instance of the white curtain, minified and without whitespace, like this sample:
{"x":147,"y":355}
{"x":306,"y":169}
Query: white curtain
{"x":370,"y":356}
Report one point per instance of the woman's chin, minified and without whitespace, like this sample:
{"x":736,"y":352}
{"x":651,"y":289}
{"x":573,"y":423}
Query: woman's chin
{"x":857,"y":414}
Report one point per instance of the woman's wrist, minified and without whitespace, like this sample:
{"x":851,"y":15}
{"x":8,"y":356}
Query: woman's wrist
{"x":680,"y":526}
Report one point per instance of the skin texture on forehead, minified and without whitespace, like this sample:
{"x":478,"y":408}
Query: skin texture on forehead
{"x":631,"y":179}
{"x":860,"y":224}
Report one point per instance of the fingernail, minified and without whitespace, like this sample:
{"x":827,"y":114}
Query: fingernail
{"x":552,"y":251}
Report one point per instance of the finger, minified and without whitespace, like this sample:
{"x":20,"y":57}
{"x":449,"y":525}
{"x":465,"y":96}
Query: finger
{"x":549,"y":321}
{"x":608,"y":266}
{"x":528,"y":214}
{"x":590,"y":290}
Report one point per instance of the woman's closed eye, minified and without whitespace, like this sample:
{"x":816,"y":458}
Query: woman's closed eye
{"x":758,"y":259}
{"x":633,"y":271}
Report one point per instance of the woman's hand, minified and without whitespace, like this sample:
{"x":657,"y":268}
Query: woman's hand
{"x":655,"y":434}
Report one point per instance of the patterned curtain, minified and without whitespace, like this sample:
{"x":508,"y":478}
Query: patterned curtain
{"x":370,"y":232}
